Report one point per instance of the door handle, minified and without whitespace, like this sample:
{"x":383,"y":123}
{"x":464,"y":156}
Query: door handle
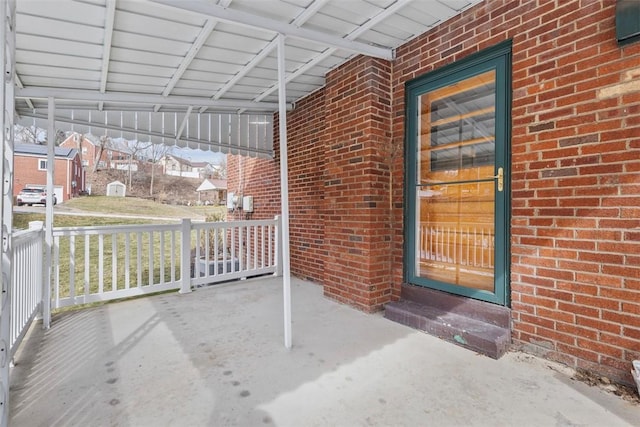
{"x":500,"y":178}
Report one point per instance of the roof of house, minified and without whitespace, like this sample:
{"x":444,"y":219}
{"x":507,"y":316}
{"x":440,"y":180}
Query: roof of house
{"x":188,"y":162}
{"x":85,"y":137}
{"x":119,"y":145}
{"x":213,"y":184}
{"x":41,"y":150}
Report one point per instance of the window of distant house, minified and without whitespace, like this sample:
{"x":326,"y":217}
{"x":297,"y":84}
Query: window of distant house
{"x":42,"y":164}
{"x":84,"y":150}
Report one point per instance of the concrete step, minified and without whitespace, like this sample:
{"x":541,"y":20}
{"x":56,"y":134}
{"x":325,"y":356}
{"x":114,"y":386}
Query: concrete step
{"x":482,"y":336}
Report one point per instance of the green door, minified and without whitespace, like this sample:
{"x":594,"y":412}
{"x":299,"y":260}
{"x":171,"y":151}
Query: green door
{"x":457,"y":230}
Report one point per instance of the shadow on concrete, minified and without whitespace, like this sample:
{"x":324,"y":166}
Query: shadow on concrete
{"x":215,"y":357}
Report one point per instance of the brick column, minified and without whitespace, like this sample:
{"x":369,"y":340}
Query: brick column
{"x":358,"y":157}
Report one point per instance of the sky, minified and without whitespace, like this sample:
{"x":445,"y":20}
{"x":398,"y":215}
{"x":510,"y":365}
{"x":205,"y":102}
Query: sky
{"x":198,"y":155}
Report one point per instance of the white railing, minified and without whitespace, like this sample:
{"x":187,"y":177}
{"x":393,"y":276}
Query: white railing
{"x":462,"y":245}
{"x":93,"y":264}
{"x":27,"y":281}
{"x":232,"y":250}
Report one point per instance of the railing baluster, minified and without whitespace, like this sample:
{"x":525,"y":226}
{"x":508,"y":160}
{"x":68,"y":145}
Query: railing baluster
{"x":87,"y":266}
{"x":199,"y":237}
{"x":173,"y":256}
{"x":100,"y":263}
{"x":233,"y":249}
{"x":56,"y":271}
{"x":151,"y":256}
{"x":240,"y":246}
{"x":262,"y":239}
{"x":127,"y":260}
{"x":270,"y":243}
{"x":72,"y":267}
{"x":114,"y":262}
{"x":139,"y":259}
{"x":162,"y":255}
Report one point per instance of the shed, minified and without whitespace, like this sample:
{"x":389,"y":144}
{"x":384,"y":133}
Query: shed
{"x":116,"y":188}
{"x":215,"y":189}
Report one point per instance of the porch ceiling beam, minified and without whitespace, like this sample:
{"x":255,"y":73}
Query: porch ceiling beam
{"x":20,"y":85}
{"x":289,"y":30}
{"x":204,"y":34}
{"x":300,"y":20}
{"x":185,"y":120}
{"x":399,"y":4}
{"x":148,"y":99}
{"x":106,"y":47}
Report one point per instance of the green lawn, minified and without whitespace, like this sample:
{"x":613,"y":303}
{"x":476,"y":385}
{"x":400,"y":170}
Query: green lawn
{"x":137,"y":206}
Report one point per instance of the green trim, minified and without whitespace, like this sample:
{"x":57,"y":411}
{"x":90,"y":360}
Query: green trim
{"x":496,"y":58}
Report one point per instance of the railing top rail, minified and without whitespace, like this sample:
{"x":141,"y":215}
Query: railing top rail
{"x":110,"y":229}
{"x":26,"y":235}
{"x":228,"y":224}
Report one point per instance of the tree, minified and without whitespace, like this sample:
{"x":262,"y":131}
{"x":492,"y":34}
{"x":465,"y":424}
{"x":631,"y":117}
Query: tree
{"x":135,"y":148}
{"x":221,"y":169}
{"x":36,"y":135}
{"x":104,"y":140}
{"x":157,"y":152}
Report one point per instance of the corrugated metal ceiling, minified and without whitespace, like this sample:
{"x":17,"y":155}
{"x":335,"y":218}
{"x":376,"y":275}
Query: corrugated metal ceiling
{"x":191,"y":57}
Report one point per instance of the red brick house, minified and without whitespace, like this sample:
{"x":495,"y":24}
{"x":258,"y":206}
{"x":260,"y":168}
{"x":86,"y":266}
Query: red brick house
{"x":30,"y":170}
{"x":112,"y":155}
{"x":493,"y":165}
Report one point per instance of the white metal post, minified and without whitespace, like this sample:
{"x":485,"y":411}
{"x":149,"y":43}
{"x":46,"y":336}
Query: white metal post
{"x":7,"y":59}
{"x":48,"y":219}
{"x":284,"y":192}
{"x":185,"y":256}
{"x":277,"y":256}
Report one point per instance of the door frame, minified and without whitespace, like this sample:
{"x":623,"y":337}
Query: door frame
{"x":496,"y":58}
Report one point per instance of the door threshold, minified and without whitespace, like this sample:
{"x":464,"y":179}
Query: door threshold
{"x":479,"y":326}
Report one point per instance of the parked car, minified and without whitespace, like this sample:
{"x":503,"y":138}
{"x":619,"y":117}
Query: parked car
{"x":31,"y":196}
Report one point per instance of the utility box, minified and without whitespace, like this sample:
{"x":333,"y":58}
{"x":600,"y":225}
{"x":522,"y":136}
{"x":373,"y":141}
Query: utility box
{"x":247,"y":204}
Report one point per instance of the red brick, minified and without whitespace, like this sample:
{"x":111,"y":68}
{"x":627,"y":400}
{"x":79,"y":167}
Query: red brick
{"x":575,"y":173}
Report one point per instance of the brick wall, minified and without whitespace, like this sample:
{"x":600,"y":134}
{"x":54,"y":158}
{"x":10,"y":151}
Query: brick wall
{"x":575,"y":263}
{"x":261,"y":179}
{"x":575,"y":245}
{"x":357,"y":186}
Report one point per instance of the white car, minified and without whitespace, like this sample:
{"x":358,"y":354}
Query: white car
{"x":32,"y":196}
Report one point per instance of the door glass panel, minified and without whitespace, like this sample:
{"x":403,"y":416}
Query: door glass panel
{"x":456,"y":188}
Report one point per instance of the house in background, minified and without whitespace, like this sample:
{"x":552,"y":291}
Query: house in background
{"x":115,"y":154}
{"x":178,"y":166}
{"x":30,"y":170}
{"x":212,"y":190}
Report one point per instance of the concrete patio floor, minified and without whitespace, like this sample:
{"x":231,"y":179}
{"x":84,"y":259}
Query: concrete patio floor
{"x":215,"y":357}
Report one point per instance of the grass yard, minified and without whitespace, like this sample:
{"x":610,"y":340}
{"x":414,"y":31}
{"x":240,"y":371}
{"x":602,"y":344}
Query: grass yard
{"x":137,"y":206}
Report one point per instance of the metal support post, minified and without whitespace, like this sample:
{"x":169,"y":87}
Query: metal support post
{"x":185,"y":256}
{"x":7,"y":59}
{"x":48,"y":219}
{"x":284,"y":192}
